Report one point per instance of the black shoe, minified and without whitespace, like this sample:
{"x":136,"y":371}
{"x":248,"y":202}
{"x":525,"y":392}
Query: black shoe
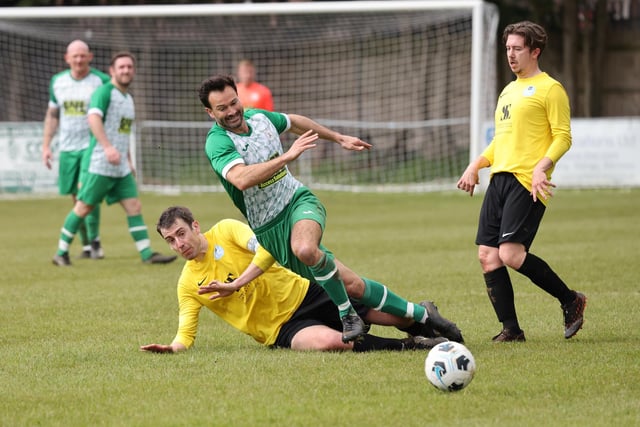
{"x":353,"y":328}
{"x":421,"y":343}
{"x":573,"y":315}
{"x":507,"y":335}
{"x":436,"y":322}
{"x":85,"y":254}
{"x":96,"y":250}
{"x":158,"y":258}
{"x":61,"y":260}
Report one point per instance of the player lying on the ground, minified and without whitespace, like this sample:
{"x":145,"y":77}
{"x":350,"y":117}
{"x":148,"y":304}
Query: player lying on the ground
{"x":228,"y":272}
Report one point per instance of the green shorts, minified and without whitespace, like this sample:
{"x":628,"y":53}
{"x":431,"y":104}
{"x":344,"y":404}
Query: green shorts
{"x":70,"y":165}
{"x":96,"y":188}
{"x":275,"y":236}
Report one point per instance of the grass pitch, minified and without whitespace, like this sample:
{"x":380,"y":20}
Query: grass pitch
{"x":70,"y":336}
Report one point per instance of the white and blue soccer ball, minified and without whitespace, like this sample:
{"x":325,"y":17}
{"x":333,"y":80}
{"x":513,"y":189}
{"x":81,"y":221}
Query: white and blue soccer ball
{"x":450,"y":366}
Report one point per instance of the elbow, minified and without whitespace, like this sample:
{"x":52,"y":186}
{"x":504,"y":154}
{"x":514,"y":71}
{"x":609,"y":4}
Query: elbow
{"x":241,"y":184}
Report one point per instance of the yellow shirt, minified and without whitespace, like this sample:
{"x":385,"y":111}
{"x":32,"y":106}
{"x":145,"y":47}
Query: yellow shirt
{"x":532,"y":121}
{"x":259,"y":308}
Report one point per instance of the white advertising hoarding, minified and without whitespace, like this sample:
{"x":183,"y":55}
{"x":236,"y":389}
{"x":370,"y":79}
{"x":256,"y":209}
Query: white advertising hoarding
{"x":21,"y":166}
{"x":605,"y":152}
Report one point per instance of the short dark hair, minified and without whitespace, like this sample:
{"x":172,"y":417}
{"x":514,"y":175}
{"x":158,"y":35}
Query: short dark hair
{"x":122,"y":54}
{"x":215,"y":83}
{"x":171,"y":214}
{"x":535,"y":37}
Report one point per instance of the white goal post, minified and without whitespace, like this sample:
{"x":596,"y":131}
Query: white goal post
{"x":414,"y":78}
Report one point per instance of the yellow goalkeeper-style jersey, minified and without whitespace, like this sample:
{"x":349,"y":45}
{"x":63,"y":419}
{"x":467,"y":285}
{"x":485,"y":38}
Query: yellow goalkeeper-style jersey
{"x":259,"y":308}
{"x":532,"y":121}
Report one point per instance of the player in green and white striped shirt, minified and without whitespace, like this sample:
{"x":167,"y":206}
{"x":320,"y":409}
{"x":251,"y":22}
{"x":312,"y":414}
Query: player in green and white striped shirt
{"x":69,"y":95}
{"x":107,"y":163}
{"x":246,"y":153}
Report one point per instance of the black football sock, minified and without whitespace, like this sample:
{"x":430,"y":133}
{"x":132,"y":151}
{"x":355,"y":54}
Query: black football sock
{"x":539,"y":272}
{"x":500,"y":291}
{"x":372,"y":343}
{"x":415,"y":329}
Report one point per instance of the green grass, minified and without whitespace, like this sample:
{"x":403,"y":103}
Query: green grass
{"x":70,"y":337}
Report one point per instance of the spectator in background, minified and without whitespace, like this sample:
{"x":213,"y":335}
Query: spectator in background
{"x":251,"y":93}
{"x":69,"y":95}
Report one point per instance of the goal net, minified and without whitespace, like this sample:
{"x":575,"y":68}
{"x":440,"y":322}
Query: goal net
{"x":414,"y":78}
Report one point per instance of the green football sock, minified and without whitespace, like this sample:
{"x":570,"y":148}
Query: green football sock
{"x":84,"y":238}
{"x":379,"y":297}
{"x":69,"y":229}
{"x":92,"y":223}
{"x":326,"y":274}
{"x":138,"y":231}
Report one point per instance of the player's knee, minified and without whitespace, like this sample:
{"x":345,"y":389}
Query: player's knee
{"x":512,"y":255}
{"x":318,"y":338}
{"x":309,"y":254}
{"x":489,"y":258}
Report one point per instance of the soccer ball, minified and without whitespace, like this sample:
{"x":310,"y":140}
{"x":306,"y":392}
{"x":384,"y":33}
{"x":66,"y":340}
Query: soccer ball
{"x":450,"y":366}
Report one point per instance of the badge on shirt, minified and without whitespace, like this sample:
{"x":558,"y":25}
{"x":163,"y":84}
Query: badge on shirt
{"x":217,"y":252}
{"x":529,"y":91}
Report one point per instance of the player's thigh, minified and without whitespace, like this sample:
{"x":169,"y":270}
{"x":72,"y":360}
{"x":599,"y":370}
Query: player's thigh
{"x":318,"y":337}
{"x":94,"y":188}
{"x":123,"y":188}
{"x":521,"y":218}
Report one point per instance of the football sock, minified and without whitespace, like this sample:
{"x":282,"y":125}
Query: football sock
{"x":500,"y":291}
{"x":372,"y":342}
{"x":415,"y":329}
{"x":84,"y":237}
{"x":92,"y":223}
{"x":138,"y":231}
{"x":379,"y":297}
{"x":326,"y":274}
{"x":69,"y":229}
{"x":539,"y":272}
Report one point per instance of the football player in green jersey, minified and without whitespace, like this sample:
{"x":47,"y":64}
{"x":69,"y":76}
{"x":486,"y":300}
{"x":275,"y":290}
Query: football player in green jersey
{"x":109,"y":172}
{"x":245,"y":151}
{"x":69,"y":96}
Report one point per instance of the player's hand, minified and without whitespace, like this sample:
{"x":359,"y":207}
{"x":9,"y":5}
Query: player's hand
{"x":469,"y":180}
{"x":352,"y":143}
{"x":157,"y":348}
{"x":47,"y":157}
{"x":304,"y":142}
{"x":221,"y":289}
{"x":541,"y":186}
{"x":112,"y":155}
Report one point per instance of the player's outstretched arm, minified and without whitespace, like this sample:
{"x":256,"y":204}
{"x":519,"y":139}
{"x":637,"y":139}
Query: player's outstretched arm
{"x":162,"y":348}
{"x":301,"y":124}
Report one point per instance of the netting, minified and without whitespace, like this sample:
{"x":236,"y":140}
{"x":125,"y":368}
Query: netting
{"x":399,"y":79}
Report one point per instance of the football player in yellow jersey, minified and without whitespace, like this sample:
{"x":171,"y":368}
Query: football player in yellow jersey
{"x":229,"y":273}
{"x":532,"y":132}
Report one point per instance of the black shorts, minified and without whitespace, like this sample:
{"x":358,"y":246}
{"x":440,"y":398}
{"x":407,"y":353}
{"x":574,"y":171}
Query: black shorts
{"x":508,"y":213}
{"x":316,"y":309}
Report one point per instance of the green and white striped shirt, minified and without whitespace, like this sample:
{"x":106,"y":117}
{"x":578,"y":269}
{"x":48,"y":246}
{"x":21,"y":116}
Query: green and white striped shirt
{"x":118,"y":114}
{"x":71,"y":97}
